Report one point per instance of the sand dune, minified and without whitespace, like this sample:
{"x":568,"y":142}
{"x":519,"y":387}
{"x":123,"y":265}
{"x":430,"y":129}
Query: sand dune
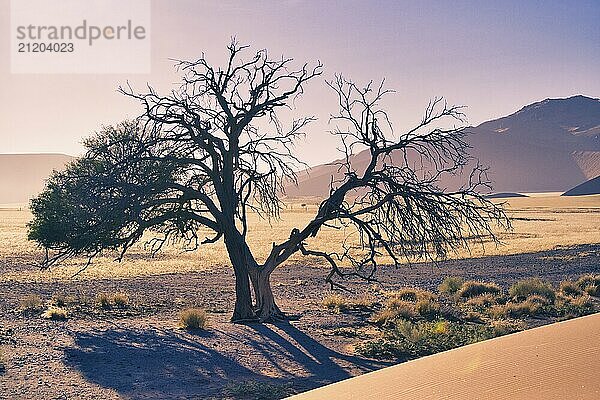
{"x":22,"y":175}
{"x":586,"y":188}
{"x":558,"y":361}
{"x":551,"y":145}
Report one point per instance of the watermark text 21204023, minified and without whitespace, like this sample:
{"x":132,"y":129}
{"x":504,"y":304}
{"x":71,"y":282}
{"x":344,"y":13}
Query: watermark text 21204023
{"x":66,"y":36}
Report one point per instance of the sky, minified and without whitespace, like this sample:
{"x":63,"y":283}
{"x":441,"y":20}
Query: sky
{"x":492,"y":56}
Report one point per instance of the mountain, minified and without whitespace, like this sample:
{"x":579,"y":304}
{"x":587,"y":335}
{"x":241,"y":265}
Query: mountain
{"x":22,"y":176}
{"x":588,"y":187}
{"x":551,"y":145}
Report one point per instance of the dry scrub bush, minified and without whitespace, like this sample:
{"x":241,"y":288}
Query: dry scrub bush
{"x":395,"y":309}
{"x":30,"y":303}
{"x":476,"y":288}
{"x":483,"y":300}
{"x":528,"y":308}
{"x":571,"y":289}
{"x":411,"y":295}
{"x":120,"y":300}
{"x":427,"y":308}
{"x":527,"y":287}
{"x":504,"y":327}
{"x":451,"y":285}
{"x":55,"y":314}
{"x":193,"y":319}
{"x":590,"y":284}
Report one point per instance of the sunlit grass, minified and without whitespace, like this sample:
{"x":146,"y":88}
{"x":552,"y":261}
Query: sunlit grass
{"x":541,"y":224}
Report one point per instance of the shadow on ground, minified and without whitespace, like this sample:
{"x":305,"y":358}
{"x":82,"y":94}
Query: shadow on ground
{"x":162,"y":364}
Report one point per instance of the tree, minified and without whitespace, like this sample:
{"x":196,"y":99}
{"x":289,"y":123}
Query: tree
{"x":214,"y":150}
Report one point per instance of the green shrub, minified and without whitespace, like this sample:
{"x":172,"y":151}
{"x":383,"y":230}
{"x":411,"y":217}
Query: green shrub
{"x":569,"y":307}
{"x":451,"y":285}
{"x":475,"y":288}
{"x":30,"y":303}
{"x":193,"y":319}
{"x":257,"y":390}
{"x":410,"y":340}
{"x":55,"y":314}
{"x":526,"y":287}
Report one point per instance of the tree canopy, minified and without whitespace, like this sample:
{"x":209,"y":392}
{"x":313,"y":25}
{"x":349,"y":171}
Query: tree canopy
{"x":214,"y":150}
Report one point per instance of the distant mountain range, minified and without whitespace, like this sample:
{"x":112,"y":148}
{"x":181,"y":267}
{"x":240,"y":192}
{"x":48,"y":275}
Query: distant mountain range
{"x":22,"y":176}
{"x":551,"y":145}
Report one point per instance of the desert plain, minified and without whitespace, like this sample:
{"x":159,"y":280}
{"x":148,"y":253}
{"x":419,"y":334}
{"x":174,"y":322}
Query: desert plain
{"x":136,"y":349}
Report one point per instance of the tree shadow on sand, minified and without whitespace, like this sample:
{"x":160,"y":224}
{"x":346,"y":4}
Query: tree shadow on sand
{"x":159,"y":364}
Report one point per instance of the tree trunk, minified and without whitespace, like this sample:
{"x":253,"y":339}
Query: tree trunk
{"x":266,"y":309}
{"x":242,"y":261}
{"x":243,"y":311}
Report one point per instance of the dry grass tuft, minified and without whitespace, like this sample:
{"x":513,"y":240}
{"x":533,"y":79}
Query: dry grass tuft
{"x":570,"y":289}
{"x":30,"y":303}
{"x":55,"y":314}
{"x":531,"y":307}
{"x":120,"y":300}
{"x":193,"y":319}
{"x":427,"y":308}
{"x":336,"y":302}
{"x":483,"y":300}
{"x":451,"y":285}
{"x":476,"y":288}
{"x":109,"y":300}
{"x":527,"y":287}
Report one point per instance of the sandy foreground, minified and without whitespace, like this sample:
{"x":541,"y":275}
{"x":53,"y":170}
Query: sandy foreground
{"x":557,"y":361}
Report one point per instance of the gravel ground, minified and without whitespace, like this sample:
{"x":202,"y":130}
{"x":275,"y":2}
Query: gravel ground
{"x":140,"y":353}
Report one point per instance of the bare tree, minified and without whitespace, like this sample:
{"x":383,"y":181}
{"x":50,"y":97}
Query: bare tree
{"x":214,"y":150}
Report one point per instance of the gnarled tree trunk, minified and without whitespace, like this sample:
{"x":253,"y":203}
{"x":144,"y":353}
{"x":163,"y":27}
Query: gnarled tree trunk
{"x":242,"y":261}
{"x":265,"y":308}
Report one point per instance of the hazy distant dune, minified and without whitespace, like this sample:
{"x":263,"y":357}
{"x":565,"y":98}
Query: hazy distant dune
{"x":23,"y":175}
{"x":551,"y":145}
{"x":586,"y":188}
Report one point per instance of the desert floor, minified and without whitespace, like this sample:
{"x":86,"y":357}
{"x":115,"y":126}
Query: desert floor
{"x":139,"y":351}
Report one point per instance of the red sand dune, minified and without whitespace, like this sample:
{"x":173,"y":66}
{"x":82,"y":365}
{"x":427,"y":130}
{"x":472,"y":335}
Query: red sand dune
{"x":558,"y":361}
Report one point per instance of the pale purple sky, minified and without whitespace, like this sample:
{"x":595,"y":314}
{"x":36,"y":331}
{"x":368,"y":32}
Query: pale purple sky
{"x":494,"y":57}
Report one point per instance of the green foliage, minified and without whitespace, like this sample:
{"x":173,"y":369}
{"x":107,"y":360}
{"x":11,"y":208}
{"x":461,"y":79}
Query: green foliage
{"x":451,"y":285}
{"x":106,"y":199}
{"x":411,"y":340}
{"x":257,"y":390}
{"x":475,"y":288}
{"x":527,"y":287}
